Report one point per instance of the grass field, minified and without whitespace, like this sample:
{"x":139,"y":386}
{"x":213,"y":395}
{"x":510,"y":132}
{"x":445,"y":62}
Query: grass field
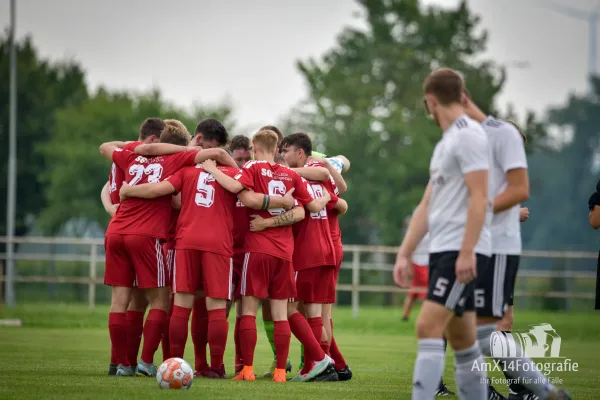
{"x":62,"y":352}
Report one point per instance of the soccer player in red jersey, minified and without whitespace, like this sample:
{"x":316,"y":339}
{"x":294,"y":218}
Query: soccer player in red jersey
{"x":149,"y":133}
{"x":134,"y":243}
{"x":314,"y":255}
{"x":267,"y":271}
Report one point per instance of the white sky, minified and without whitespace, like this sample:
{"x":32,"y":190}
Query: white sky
{"x":209,"y":50}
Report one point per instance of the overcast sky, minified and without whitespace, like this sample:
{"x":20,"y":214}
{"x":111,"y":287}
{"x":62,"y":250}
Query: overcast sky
{"x":245,"y":51}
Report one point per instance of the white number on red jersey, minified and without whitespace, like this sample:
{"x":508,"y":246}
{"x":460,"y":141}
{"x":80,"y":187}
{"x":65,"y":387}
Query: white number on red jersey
{"x":154,"y":172}
{"x":276,"y":189}
{"x":316,"y":192}
{"x":205,"y":196}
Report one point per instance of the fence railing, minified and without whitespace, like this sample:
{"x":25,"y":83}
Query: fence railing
{"x":91,"y":251}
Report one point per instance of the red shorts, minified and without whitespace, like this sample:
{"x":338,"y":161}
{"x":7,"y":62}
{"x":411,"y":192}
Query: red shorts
{"x":267,"y":277}
{"x":339,"y":257}
{"x":316,"y":285}
{"x":169,"y":251}
{"x":420,"y":280}
{"x":238,"y":262}
{"x":135,"y":259}
{"x":196,"y":270}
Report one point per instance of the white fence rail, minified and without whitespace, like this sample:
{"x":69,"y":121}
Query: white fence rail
{"x":91,"y":251}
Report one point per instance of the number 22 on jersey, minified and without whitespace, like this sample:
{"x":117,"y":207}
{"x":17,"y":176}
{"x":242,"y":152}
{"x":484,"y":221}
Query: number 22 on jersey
{"x":154,"y":172}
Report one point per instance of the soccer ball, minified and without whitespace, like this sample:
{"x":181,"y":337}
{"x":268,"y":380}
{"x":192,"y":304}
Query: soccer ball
{"x":175,"y":373}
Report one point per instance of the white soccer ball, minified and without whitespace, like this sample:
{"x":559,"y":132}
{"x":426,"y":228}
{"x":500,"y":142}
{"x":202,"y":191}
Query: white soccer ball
{"x":175,"y":373}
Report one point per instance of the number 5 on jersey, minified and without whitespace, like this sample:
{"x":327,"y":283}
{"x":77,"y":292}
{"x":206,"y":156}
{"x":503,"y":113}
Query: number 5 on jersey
{"x":205,"y":196}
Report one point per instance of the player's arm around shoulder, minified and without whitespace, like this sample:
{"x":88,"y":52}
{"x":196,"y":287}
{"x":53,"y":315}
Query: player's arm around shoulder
{"x":341,"y":207}
{"x":108,"y":148}
{"x":230,"y":184}
{"x":220,"y":156}
{"x":146,"y":190}
{"x":289,"y":217}
{"x":161,"y":149}
{"x":109,"y":207}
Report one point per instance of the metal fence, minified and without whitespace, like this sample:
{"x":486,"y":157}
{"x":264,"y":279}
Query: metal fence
{"x":560,"y":275}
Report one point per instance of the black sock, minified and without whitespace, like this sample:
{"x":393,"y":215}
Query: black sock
{"x":513,"y":384}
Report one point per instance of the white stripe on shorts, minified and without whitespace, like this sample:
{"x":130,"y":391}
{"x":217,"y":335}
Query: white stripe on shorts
{"x":454,"y":296}
{"x":174,"y":272}
{"x":498,"y":285}
{"x":160,"y":266}
{"x":230,"y":278}
{"x":244,"y":272}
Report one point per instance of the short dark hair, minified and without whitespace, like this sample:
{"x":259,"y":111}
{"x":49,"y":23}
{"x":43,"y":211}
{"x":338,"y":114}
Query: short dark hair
{"x":446,"y":84}
{"x":213,"y":129}
{"x":300,"y":140}
{"x":274,"y":129}
{"x":151,"y":127}
{"x":239,"y":142}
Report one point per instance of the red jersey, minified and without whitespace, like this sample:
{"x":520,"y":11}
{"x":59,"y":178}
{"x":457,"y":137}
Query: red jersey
{"x":117,"y":176}
{"x":173,"y":226}
{"x":241,"y":226}
{"x":206,"y":218}
{"x":150,"y":217}
{"x":332,"y":215}
{"x":273,"y":180}
{"x":313,"y":244}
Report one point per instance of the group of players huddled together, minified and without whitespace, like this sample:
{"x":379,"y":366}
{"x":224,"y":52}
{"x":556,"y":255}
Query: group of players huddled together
{"x":200,"y":224}
{"x":471,"y":213}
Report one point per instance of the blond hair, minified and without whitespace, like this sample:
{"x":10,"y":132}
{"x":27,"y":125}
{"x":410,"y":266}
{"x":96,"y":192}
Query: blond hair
{"x":266,"y":140}
{"x":176,"y":123}
{"x":175,"y":134}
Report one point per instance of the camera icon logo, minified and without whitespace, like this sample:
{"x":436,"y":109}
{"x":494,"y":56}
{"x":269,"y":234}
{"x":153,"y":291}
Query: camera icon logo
{"x":541,"y":341}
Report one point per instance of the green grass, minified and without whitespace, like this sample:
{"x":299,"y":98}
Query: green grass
{"x":62,"y":352}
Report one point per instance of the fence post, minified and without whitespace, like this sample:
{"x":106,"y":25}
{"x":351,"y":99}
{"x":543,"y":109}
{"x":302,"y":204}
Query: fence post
{"x":92,"y":283}
{"x":355,"y":282}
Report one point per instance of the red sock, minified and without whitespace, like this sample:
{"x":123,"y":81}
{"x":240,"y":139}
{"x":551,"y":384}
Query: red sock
{"x":200,"y":333}
{"x":281,"y":338}
{"x":117,"y":327}
{"x":218,"y":327}
{"x":153,"y":333}
{"x":236,"y":341}
{"x":178,"y":330}
{"x":301,"y":329}
{"x":113,"y":358}
{"x":166,"y":350}
{"x":135,"y":327}
{"x":336,"y":354}
{"x":248,"y":338}
{"x":325,"y":346}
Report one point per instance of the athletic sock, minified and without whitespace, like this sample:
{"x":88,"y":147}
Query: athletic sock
{"x":281,"y":338}
{"x":303,"y":332}
{"x":471,"y":382}
{"x":165,"y":340}
{"x":269,"y":331}
{"x":200,"y":334}
{"x":153,"y":332}
{"x":117,"y":328}
{"x":521,"y":369}
{"x":218,"y":327}
{"x":335,"y":352}
{"x":237,"y":344}
{"x":428,"y":369}
{"x":135,"y":329}
{"x":178,"y":330}
{"x":326,"y":347}
{"x":442,"y":378}
{"x":248,"y":338}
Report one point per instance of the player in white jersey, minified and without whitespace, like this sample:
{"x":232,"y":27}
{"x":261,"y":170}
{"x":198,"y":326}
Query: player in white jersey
{"x":494,"y":290}
{"x":454,"y":210}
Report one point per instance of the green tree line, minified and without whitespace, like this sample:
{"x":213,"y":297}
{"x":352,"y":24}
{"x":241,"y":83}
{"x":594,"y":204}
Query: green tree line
{"x":364,"y":101}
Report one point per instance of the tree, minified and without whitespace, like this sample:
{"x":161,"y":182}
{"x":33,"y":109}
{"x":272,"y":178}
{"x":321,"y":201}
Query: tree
{"x":42,"y":88}
{"x":366,"y":102}
{"x":562,"y":180}
{"x":78,"y":172}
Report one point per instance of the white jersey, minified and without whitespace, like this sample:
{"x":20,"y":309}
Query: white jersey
{"x":421,"y":253}
{"x":508,"y":153}
{"x":462,"y":149}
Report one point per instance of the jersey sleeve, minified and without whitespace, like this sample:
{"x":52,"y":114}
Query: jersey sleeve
{"x":121,"y":158}
{"x":472,"y":151}
{"x":246,"y":176}
{"x":176,"y":180}
{"x":230,"y":171}
{"x":183,"y":159}
{"x":510,"y":152}
{"x":301,"y":193}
